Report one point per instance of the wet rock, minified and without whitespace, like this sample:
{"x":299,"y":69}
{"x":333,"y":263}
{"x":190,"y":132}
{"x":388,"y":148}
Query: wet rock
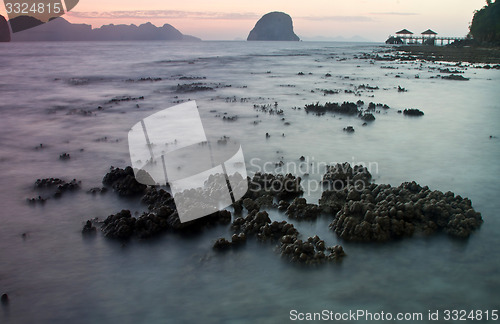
{"x":57,"y":185}
{"x":48,"y":183}
{"x":382,"y":213}
{"x":236,"y":241}
{"x":238,"y":206}
{"x":123,"y":181}
{"x":221,"y":244}
{"x":252,"y":223}
{"x":456,"y":77}
{"x":5,"y":299}
{"x":119,"y":226}
{"x":89,"y":228}
{"x":346,"y":108}
{"x":193,"y":87}
{"x":259,"y":225}
{"x":299,"y":209}
{"x":250,"y":205}
{"x":394,"y":40}
{"x":413,"y":112}
{"x":125,"y":98}
{"x":311,"y":251}
{"x":332,"y":201}
{"x":283,"y":205}
{"x":339,"y":176}
{"x":157,"y":199}
{"x":67,"y":186}
{"x":97,"y":190}
{"x":37,"y":200}
{"x":64,"y":156}
{"x":265,"y":201}
{"x":368,"y":117}
{"x":349,"y":129}
{"x":282,"y":187}
{"x":162,"y":204}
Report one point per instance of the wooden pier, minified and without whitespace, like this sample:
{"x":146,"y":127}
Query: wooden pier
{"x":427,"y":37}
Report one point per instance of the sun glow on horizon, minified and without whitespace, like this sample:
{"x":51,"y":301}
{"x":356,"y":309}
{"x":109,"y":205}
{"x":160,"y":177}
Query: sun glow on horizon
{"x":229,"y":20}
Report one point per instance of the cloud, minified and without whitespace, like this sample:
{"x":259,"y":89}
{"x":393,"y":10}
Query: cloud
{"x":163,"y":14}
{"x":394,"y":13}
{"x":178,"y":14}
{"x":335,"y":18}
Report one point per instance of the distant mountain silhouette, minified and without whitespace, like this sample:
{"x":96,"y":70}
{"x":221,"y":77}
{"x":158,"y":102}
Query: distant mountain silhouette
{"x":274,"y":26}
{"x":4,"y":30}
{"x":21,"y":23}
{"x":59,"y":29}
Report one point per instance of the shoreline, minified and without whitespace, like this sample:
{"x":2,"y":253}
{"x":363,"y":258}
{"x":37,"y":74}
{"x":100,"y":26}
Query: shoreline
{"x":453,"y":54}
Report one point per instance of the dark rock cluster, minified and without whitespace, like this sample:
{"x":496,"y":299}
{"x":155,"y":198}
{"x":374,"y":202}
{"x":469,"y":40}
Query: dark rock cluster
{"x":348,"y":129}
{"x":299,"y":209}
{"x":89,"y":228}
{"x":413,"y":112}
{"x":123,"y":181}
{"x":67,"y":186}
{"x":48,"y":182}
{"x":193,"y":87}
{"x":236,"y":240}
{"x":97,"y":190}
{"x":160,"y":217}
{"x":373,"y":106}
{"x":57,"y":186}
{"x":259,"y":224}
{"x":282,"y":187}
{"x":123,"y":226}
{"x":368,"y":117}
{"x":362,"y":211}
{"x":340,"y":176}
{"x":311,"y":251}
{"x":456,"y":77}
{"x":126,"y":98}
{"x":64,"y":156}
{"x":346,"y":108}
{"x":382,"y":213}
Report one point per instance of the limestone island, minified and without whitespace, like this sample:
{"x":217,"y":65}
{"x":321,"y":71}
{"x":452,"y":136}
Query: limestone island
{"x":274,"y":26}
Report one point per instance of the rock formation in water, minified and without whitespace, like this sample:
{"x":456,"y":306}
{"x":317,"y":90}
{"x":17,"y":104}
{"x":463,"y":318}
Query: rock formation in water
{"x":274,"y":26}
{"x":59,"y":29}
{"x":394,"y":40}
{"x":4,"y":30}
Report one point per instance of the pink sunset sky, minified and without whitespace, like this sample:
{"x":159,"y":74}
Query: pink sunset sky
{"x":314,"y":19}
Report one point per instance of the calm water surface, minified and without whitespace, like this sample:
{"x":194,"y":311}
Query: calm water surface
{"x":50,"y":92}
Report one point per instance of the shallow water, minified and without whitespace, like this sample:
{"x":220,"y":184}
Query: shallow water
{"x":56,"y":275}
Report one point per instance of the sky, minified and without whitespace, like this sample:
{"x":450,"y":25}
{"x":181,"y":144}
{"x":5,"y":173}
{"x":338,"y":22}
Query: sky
{"x":313,"y":19}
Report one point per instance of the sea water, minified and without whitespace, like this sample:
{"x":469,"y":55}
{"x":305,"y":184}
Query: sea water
{"x":50,"y":94}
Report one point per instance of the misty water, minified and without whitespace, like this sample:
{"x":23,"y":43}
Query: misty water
{"x":50,"y":94}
